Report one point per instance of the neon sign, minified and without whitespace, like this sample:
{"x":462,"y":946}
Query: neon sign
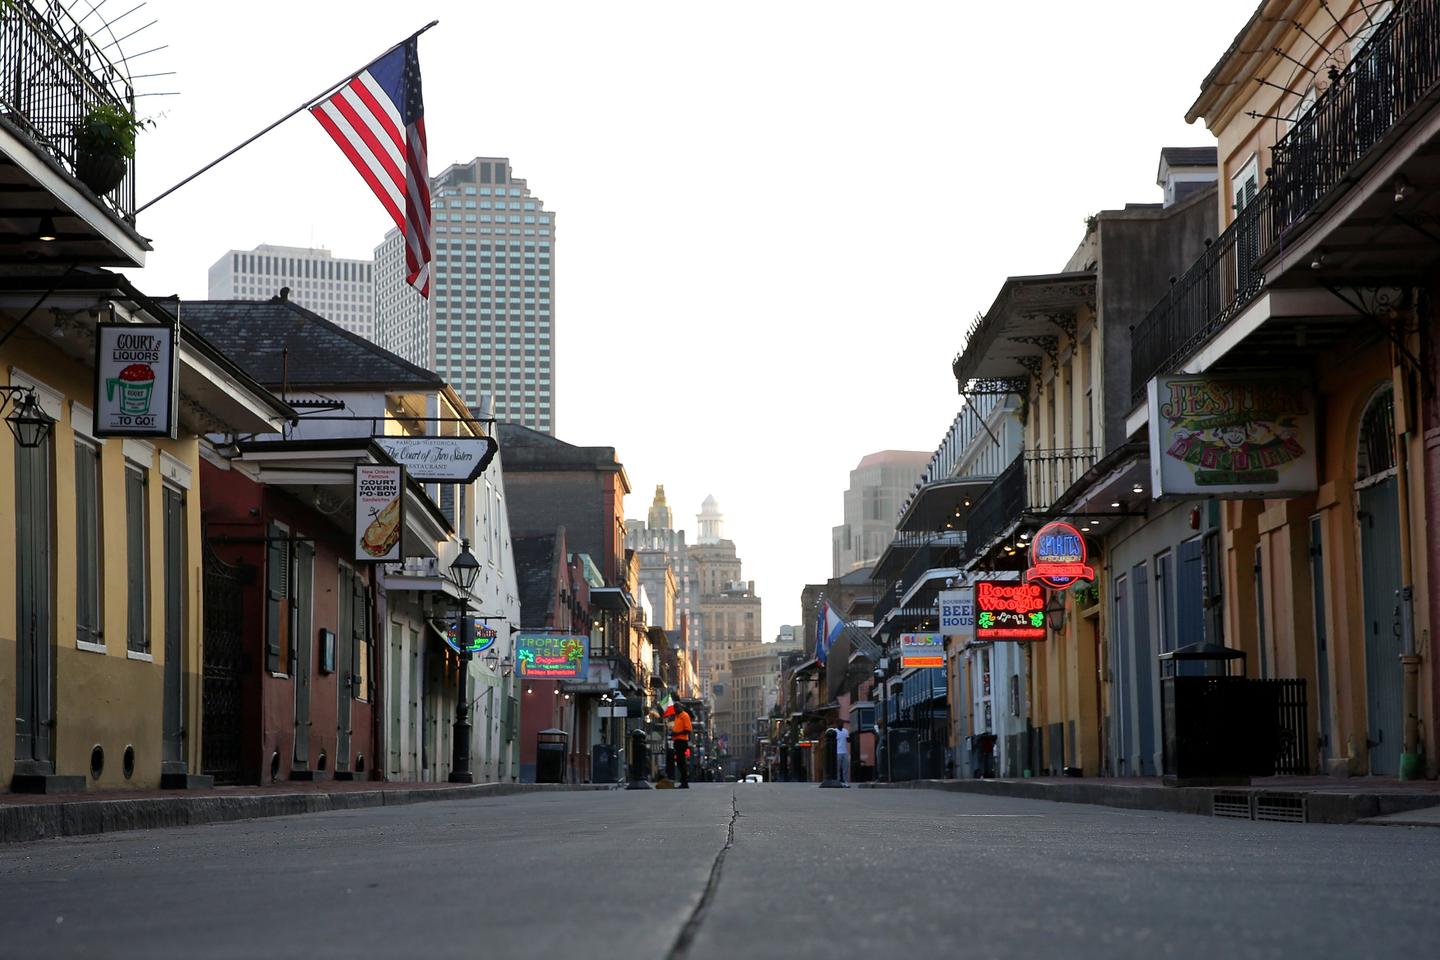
{"x":481,"y":638}
{"x":921,"y":650}
{"x":1006,"y":610}
{"x":551,"y":656}
{"x":1057,"y":557}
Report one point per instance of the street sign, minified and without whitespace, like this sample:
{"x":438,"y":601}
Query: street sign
{"x":614,"y":711}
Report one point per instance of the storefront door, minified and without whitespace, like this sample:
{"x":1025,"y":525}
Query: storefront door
{"x":35,"y":646}
{"x":1378,"y":516}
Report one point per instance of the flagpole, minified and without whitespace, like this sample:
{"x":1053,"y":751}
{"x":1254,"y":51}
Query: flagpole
{"x":304,"y":106}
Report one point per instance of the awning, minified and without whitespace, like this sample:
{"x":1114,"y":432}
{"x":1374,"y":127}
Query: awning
{"x":610,"y":598}
{"x":1023,"y":325}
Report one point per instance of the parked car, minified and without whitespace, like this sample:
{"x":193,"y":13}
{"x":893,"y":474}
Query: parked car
{"x":754,"y":778}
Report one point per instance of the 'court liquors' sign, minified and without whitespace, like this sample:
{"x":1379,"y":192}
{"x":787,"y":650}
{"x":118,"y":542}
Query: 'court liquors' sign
{"x":1231,"y":437}
{"x":135,"y":382}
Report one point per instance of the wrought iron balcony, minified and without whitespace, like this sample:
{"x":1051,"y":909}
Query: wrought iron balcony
{"x":1395,"y":73}
{"x":52,"y":75}
{"x":1028,"y":487}
{"x":1206,"y":297}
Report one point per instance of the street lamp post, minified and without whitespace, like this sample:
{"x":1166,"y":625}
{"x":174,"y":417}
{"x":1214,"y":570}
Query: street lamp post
{"x":463,"y":572}
{"x":884,"y":724}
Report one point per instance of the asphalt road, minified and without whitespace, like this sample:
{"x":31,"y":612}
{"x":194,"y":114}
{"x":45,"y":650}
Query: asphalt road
{"x":771,"y":870}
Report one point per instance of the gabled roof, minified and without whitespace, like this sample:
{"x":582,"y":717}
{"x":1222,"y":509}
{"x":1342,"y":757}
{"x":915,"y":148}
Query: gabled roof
{"x":1188,"y":156}
{"x":279,"y":342}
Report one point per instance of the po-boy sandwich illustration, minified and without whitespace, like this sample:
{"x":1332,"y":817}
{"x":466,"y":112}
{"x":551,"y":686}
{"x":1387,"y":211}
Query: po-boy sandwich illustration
{"x":384,"y":531}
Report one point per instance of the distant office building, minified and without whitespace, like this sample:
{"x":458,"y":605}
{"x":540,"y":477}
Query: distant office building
{"x":879,"y":486}
{"x":338,"y":289}
{"x":489,"y":327}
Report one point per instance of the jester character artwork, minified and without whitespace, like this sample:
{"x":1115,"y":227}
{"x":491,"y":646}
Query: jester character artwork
{"x":1234,"y":432}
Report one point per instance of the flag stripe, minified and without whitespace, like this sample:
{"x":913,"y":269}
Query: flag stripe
{"x":367,"y":91}
{"x":383,"y":190}
{"x":389,"y":160}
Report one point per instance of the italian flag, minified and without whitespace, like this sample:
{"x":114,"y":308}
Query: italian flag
{"x":667,"y":706}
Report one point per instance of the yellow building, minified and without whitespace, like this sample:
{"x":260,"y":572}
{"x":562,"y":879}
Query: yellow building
{"x":100,"y":645}
{"x":1326,"y":125}
{"x":100,"y":600}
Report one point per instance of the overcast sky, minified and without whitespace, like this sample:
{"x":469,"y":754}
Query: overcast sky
{"x":775,"y":219}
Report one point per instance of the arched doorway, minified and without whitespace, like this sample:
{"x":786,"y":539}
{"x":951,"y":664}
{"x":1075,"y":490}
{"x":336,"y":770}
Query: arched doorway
{"x":1378,"y":515}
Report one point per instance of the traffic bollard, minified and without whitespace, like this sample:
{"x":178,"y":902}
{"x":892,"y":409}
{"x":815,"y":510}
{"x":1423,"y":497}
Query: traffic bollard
{"x":832,"y":760}
{"x":639,"y":751}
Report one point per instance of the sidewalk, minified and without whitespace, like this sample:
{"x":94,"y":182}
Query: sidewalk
{"x":1292,"y":799}
{"x":36,"y":817}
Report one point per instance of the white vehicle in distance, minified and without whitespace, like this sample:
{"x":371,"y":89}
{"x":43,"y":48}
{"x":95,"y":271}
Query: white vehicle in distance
{"x":753,"y":778}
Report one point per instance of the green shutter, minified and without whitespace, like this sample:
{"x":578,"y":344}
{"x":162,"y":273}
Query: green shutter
{"x":275,"y":576}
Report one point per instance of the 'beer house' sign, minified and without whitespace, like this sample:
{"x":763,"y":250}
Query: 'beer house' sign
{"x":1007,"y":610}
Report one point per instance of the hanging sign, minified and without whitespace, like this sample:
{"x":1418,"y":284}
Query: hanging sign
{"x":543,"y":656}
{"x":136,"y":389}
{"x":957,"y":613}
{"x":1057,"y":557}
{"x":482,"y":637}
{"x":1006,"y":610}
{"x":379,"y":512}
{"x":441,"y":459}
{"x":1231,"y":438}
{"x":921,"y":650}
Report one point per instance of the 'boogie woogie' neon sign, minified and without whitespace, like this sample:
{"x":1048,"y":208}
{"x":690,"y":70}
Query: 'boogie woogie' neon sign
{"x":1057,"y":557}
{"x":1006,"y":610}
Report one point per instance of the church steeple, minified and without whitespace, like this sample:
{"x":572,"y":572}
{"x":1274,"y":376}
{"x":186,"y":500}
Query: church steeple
{"x":660,"y":516}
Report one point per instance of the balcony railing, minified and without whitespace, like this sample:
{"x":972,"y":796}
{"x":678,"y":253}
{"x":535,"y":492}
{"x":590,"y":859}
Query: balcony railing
{"x":1205,"y":298}
{"x":1049,"y":473}
{"x":1031,"y":484}
{"x":1393,"y":73}
{"x":51,"y":76}
{"x":1000,"y":505}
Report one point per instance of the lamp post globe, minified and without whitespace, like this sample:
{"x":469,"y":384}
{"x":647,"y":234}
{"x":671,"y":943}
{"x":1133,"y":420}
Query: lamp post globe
{"x":464,"y":569}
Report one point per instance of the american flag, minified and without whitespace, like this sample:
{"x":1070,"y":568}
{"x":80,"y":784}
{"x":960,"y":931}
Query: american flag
{"x":378,"y":119}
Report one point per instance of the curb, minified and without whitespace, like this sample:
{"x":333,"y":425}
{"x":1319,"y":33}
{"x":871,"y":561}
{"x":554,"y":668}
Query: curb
{"x":1328,"y":807}
{"x":22,"y":823}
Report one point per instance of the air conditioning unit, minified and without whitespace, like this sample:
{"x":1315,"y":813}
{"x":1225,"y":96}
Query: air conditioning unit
{"x":421,"y":567}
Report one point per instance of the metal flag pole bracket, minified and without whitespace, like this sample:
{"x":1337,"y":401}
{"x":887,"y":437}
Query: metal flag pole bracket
{"x":300,"y":109}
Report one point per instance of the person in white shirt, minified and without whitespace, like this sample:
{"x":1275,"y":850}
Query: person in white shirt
{"x":842,"y":751}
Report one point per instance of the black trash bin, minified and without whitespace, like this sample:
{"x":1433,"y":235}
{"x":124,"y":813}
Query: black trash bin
{"x":550,"y":755}
{"x":903,"y":754}
{"x":1214,"y":727}
{"x":603,"y":768}
{"x":982,"y":755}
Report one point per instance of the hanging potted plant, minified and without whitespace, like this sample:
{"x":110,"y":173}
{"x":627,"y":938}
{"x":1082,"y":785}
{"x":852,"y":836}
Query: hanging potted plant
{"x":104,"y":145}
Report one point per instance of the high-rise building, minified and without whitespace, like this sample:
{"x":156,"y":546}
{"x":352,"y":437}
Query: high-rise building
{"x":879,"y":486}
{"x":337,"y":288}
{"x":489,"y":327}
{"x":658,"y":544}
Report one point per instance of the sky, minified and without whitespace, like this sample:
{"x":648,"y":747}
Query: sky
{"x":775,"y":220}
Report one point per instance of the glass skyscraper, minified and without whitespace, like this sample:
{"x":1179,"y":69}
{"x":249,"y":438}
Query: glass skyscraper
{"x":489,"y":328}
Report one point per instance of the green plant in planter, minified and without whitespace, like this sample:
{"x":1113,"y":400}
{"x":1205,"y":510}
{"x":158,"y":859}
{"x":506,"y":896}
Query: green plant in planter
{"x":104,"y":143}
{"x":1087,"y":595}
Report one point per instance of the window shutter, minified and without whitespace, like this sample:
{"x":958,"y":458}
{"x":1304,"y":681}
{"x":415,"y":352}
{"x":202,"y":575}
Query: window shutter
{"x":276,"y":576}
{"x":359,"y":626}
{"x":137,"y":551}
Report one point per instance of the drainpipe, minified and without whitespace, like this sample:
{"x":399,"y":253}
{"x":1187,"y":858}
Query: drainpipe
{"x":1409,"y":660}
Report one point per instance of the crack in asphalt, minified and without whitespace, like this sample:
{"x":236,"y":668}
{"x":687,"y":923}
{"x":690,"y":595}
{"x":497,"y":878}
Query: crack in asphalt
{"x":681,"y":948}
